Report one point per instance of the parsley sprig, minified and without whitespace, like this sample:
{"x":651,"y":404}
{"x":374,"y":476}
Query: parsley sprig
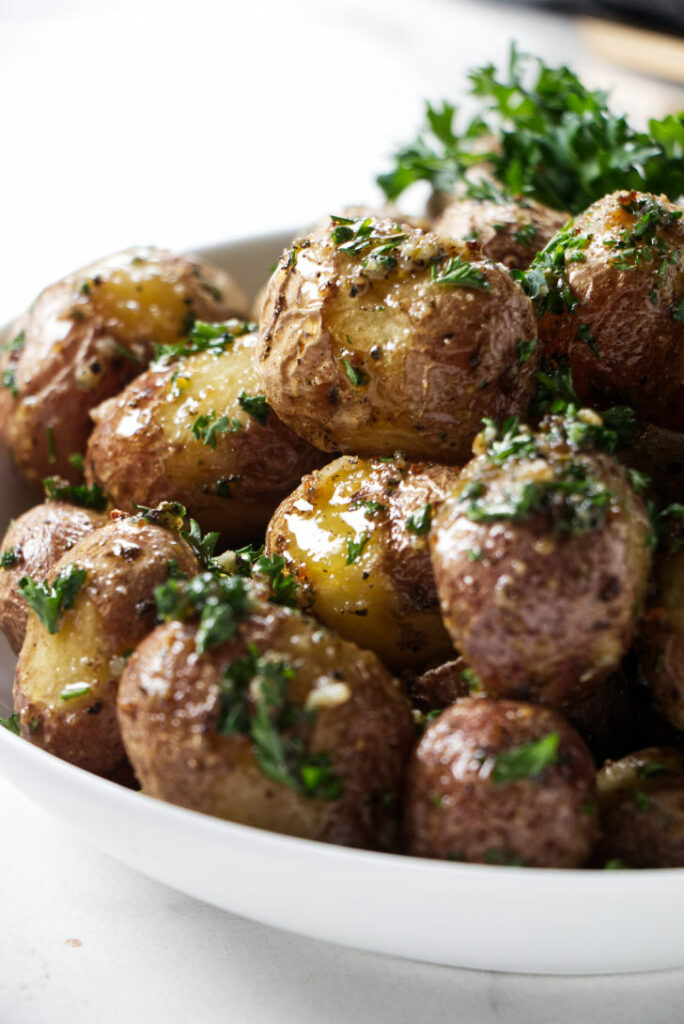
{"x":204,"y":337}
{"x":557,"y":140}
{"x":49,"y":600}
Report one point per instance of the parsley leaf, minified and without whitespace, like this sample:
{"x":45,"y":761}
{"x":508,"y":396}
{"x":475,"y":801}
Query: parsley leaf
{"x":49,"y":600}
{"x":220,"y":602}
{"x":355,"y":547}
{"x":459,"y":273}
{"x":11,"y":723}
{"x":526,"y":761}
{"x":356,"y":375}
{"x":420,"y":521}
{"x":256,"y":406}
{"x":58,"y":489}
{"x":205,"y":337}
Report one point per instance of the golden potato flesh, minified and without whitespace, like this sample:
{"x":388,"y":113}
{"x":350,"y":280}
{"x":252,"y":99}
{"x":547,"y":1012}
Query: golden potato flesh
{"x":85,"y":337}
{"x":541,"y":556}
{"x":354,"y":535}
{"x":198,"y":430}
{"x":31,"y":547}
{"x":501,"y":782}
{"x":66,"y":681}
{"x":379,"y":337}
{"x":510,"y":230}
{"x":641,"y":804}
{"x":661,"y":636}
{"x":285,"y":727}
{"x":611,"y":300}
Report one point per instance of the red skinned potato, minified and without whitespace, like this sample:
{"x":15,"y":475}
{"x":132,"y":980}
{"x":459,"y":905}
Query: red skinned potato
{"x":661,"y":633}
{"x":541,"y":556}
{"x":354,"y":536}
{"x":510,"y":229}
{"x":501,"y":782}
{"x":283,"y":726}
{"x":85,"y":337}
{"x":195,"y":428}
{"x":610,"y":293}
{"x":76,"y":649}
{"x":641,"y":804}
{"x":378,"y":337}
{"x":31,"y":547}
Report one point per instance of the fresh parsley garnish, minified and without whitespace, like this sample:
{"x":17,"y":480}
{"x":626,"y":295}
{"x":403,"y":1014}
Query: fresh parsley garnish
{"x":356,"y":375}
{"x":255,"y":406}
{"x":525,"y":349}
{"x":9,"y":381}
{"x":49,"y":600}
{"x":458,"y":273}
{"x":219,"y":602}
{"x":11,"y":723}
{"x":355,"y":547}
{"x":555,"y":140}
{"x":84,"y":495}
{"x":254,"y":702}
{"x":420,"y":521}
{"x":205,"y":337}
{"x":526,"y":761}
{"x":9,"y":557}
{"x":206,"y":428}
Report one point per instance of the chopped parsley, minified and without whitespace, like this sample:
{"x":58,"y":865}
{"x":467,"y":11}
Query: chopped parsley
{"x":50,"y":442}
{"x":205,"y":337}
{"x":49,"y":600}
{"x":74,"y":690}
{"x":359,"y":238}
{"x":371,"y":508}
{"x":219,"y":602}
{"x":525,"y":234}
{"x":254,"y":702}
{"x":9,"y":381}
{"x":583,"y":333}
{"x":77,"y":460}
{"x":355,"y":547}
{"x":16,"y":344}
{"x":651,"y":769}
{"x":641,"y":799}
{"x":9,"y":557}
{"x":84,"y":495}
{"x":525,"y":349}
{"x":356,"y":375}
{"x":458,"y":273}
{"x":11,"y":723}
{"x":545,"y":280}
{"x":526,"y":761}
{"x":202,"y":544}
{"x":283,"y":586}
{"x":207,"y":428}
{"x":420,"y":521}
{"x":255,"y":406}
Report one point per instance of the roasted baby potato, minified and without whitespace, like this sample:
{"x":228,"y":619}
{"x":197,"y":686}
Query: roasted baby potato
{"x":610,"y":293}
{"x":378,"y":337}
{"x":354,"y":536}
{"x":32,"y":545}
{"x":661,"y":635}
{"x":85,"y":337}
{"x":510,"y":229}
{"x":541,"y":555}
{"x":641,"y":804}
{"x":85,"y":621}
{"x":196,"y":428}
{"x":281,"y":725}
{"x":501,"y":782}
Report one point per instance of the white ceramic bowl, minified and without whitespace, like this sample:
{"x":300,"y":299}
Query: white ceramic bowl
{"x":507,"y":919}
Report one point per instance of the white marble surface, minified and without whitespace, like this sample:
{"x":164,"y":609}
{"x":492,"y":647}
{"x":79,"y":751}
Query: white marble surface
{"x":179,"y":124}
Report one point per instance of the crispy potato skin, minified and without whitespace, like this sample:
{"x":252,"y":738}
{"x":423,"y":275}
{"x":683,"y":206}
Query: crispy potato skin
{"x":38,"y":538}
{"x":661,"y":637}
{"x":114,"y":609}
{"x":641,"y":804}
{"x":510,"y":232}
{"x":455,"y":809}
{"x":382,"y":596}
{"x":541,"y":614}
{"x":169,"y":705}
{"x":143,"y":448}
{"x":86,"y":336}
{"x":375,"y":359}
{"x":629,"y":312}
{"x":439,"y":686}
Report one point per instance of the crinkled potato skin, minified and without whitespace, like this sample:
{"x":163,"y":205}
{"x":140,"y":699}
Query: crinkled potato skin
{"x":114,"y":609}
{"x":539,"y":614}
{"x":503,"y":229}
{"x":630,"y":314}
{"x":382,"y":593}
{"x":86,"y":336}
{"x":433,"y":359}
{"x":169,"y":706}
{"x":641,"y":803}
{"x":143,"y":449}
{"x":455,"y":809}
{"x":37,"y":540}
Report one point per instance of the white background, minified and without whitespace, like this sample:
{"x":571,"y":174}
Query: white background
{"x":180,"y":124}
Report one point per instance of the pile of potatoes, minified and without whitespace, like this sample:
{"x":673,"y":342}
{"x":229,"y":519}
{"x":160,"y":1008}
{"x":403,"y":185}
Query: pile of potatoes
{"x":462,"y":636}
